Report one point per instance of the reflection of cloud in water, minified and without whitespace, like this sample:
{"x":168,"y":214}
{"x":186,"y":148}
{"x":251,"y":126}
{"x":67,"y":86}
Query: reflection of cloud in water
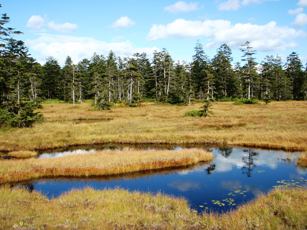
{"x":232,"y":185}
{"x":67,"y":153}
{"x":184,"y":186}
{"x":200,"y":168}
{"x":265,"y":158}
{"x":301,"y":171}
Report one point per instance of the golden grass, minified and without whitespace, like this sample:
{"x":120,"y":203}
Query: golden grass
{"x":104,"y":163}
{"x":22,"y":154}
{"x":119,"y":209}
{"x":302,"y":160}
{"x":280,"y":125}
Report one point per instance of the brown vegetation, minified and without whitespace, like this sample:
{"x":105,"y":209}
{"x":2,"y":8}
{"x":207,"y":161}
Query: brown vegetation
{"x":280,"y":125}
{"x":119,"y":209}
{"x":104,"y":163}
{"x":22,"y":154}
{"x":302,"y":160}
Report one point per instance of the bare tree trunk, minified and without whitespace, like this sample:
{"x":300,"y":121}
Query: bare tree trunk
{"x":156,"y":86}
{"x":249,"y":89}
{"x":80,"y":92}
{"x":119,"y":90}
{"x":130,"y":90}
{"x":168,"y":81}
{"x":32,"y":88}
{"x":73,"y":85}
{"x":18,"y":91}
{"x":109,"y":90}
{"x":164,"y":77}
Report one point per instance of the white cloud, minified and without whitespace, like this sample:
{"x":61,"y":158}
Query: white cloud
{"x":248,"y":2}
{"x":182,"y":6}
{"x":60,"y":46}
{"x":230,"y":5}
{"x":302,"y":2}
{"x":123,"y":22}
{"x":36,"y":22}
{"x":62,"y":27}
{"x":236,"y":4}
{"x":296,"y":11}
{"x":301,"y":19}
{"x":264,"y":37}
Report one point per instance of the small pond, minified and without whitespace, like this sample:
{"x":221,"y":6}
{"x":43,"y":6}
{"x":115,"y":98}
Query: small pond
{"x":234,"y":177}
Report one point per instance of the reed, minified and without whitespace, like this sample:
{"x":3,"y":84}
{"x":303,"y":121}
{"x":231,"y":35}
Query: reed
{"x":103,"y":163}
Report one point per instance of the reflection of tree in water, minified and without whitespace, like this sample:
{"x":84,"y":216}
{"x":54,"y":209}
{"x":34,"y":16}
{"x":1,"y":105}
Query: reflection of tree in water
{"x":249,"y":163}
{"x":26,"y":186}
{"x":225,"y":151}
{"x":210,"y":169}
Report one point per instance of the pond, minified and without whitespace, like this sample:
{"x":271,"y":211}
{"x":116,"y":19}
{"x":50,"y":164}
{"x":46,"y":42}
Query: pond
{"x":234,"y":177}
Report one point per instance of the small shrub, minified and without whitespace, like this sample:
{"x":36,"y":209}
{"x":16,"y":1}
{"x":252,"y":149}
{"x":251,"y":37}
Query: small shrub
{"x":203,"y":112}
{"x":246,"y":101}
{"x":103,"y":104}
{"x":136,"y":101}
{"x":193,"y":113}
{"x":176,"y":99}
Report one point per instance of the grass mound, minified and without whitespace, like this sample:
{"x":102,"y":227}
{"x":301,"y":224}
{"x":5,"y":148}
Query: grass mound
{"x":120,"y":209}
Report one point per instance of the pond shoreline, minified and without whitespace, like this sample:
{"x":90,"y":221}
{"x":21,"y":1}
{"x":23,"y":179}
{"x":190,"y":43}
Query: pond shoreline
{"x":154,"y":144}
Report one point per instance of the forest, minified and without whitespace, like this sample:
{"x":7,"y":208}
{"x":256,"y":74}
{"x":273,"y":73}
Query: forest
{"x":111,"y":79}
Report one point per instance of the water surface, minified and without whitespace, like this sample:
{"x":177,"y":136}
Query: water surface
{"x":234,"y":177}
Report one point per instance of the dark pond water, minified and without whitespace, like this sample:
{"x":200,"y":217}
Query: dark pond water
{"x":236,"y":176}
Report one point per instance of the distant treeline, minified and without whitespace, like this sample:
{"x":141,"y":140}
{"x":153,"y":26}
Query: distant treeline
{"x":113,"y":79}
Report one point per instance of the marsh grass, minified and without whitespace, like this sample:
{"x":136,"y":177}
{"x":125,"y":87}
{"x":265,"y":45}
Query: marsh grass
{"x":22,"y":154}
{"x":103,"y":163}
{"x":302,"y":160}
{"x":120,"y":209}
{"x":278,"y":125}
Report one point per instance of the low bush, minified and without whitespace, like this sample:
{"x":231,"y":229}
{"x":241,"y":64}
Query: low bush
{"x":193,"y":113}
{"x":246,"y":101}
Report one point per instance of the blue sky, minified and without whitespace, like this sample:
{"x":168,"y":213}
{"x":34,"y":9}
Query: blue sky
{"x":79,"y":28}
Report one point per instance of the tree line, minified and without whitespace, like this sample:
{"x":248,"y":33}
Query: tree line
{"x":111,"y":79}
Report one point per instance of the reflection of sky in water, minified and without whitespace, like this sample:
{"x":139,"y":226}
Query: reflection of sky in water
{"x":237,"y":175}
{"x":67,"y":153}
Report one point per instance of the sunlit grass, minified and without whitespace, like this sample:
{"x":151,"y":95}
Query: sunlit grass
{"x":119,"y":209}
{"x":281,"y":125}
{"x":22,"y":154}
{"x":103,"y":163}
{"x":302,"y":160}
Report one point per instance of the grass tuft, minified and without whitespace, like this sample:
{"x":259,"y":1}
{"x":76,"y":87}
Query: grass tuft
{"x":22,"y":154}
